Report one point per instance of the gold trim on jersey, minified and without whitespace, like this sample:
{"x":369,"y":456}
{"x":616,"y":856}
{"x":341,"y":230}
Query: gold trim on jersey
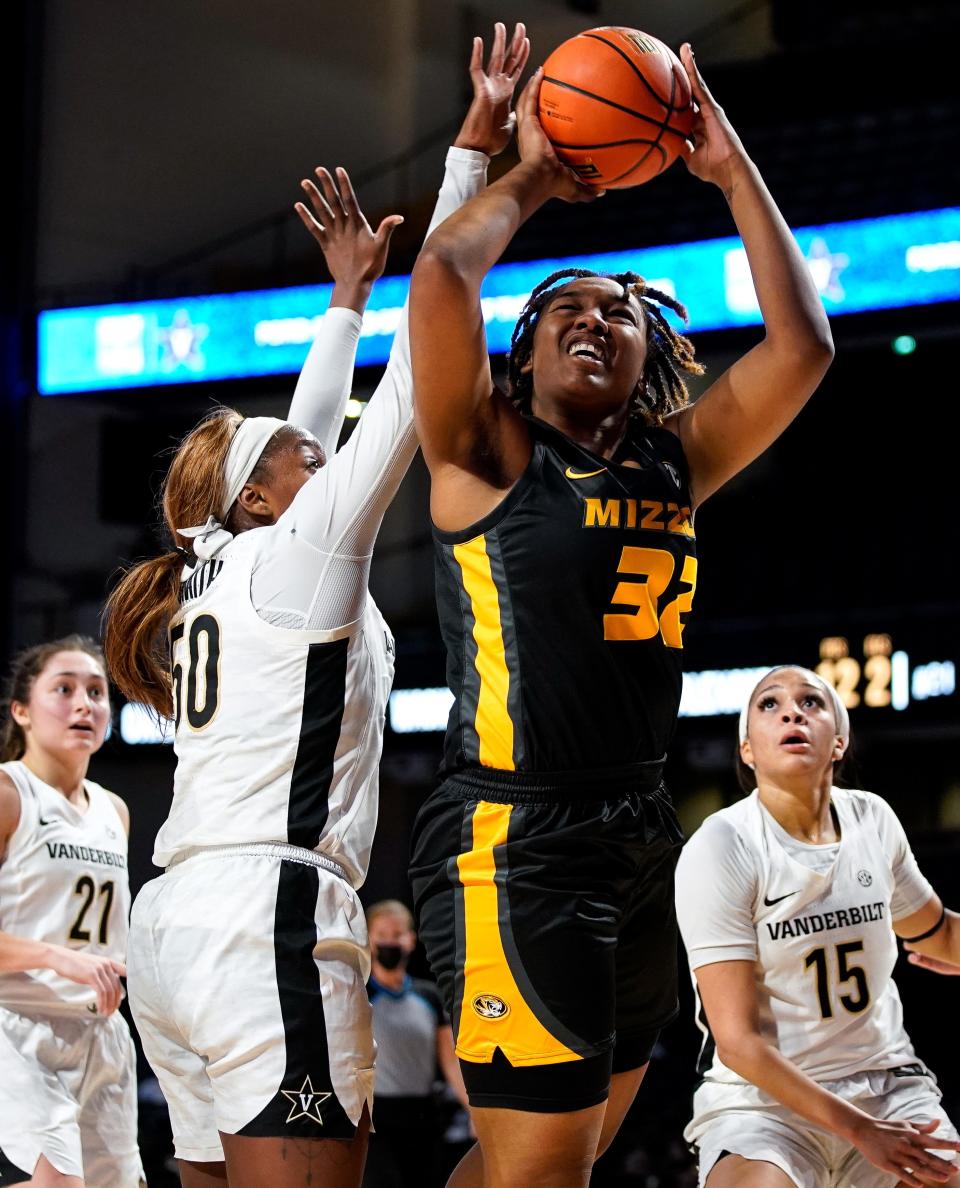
{"x":493,"y":724}
{"x":494,"y":1013}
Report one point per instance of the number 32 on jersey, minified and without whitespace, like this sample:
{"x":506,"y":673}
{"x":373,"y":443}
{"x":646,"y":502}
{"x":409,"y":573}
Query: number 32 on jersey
{"x":195,"y":652}
{"x":656,"y":567}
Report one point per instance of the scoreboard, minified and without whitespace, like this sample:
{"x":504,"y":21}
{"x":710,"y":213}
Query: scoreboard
{"x":885,"y":673}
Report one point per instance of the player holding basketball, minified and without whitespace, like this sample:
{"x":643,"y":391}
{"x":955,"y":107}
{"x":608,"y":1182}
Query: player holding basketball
{"x":543,"y":865}
{"x":68,"y":1089}
{"x":788,"y":904}
{"x":248,"y":958}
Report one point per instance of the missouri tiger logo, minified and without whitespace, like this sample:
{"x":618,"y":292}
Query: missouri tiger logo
{"x":488,"y":1006}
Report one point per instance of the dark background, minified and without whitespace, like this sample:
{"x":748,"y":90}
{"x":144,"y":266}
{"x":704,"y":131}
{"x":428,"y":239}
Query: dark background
{"x":157,"y":152}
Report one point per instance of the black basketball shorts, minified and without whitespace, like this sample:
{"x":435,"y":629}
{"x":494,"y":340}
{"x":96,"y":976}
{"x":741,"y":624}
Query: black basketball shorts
{"x":545,"y":904}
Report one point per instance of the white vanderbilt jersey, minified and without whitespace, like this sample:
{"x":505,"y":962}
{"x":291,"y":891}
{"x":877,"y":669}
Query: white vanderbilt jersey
{"x":821,"y":941}
{"x":64,"y":881}
{"x":279,"y":709}
{"x":278,"y":730}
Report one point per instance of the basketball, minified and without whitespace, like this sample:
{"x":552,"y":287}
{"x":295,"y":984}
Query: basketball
{"x":616,"y":105}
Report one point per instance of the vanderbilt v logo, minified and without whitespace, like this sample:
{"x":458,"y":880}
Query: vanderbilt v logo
{"x":305,"y":1101}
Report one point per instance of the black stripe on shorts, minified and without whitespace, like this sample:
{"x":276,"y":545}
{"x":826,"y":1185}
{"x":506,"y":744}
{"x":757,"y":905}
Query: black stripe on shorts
{"x":305,"y":1105}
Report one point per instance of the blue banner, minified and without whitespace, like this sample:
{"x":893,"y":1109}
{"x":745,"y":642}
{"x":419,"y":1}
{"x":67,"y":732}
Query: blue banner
{"x":884,"y":263}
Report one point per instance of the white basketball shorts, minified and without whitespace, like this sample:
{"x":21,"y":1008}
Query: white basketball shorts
{"x":68,"y":1090}
{"x":744,"y":1120}
{"x":246,"y":975}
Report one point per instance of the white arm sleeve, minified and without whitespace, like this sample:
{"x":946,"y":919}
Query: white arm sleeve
{"x":322,"y":391}
{"x":716,"y":887}
{"x":314,"y":574}
{"x":910,"y":888}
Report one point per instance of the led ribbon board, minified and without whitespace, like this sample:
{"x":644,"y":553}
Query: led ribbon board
{"x":884,"y":263}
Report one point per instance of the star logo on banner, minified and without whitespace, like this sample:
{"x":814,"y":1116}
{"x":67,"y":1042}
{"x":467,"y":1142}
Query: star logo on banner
{"x":825,"y":268}
{"x":180,"y":343}
{"x":306,"y":1102}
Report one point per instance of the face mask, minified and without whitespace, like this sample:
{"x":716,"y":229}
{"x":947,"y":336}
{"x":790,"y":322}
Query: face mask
{"x":389,"y":956}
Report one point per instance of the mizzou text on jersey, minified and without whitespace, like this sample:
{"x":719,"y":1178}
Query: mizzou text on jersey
{"x":563,"y":611}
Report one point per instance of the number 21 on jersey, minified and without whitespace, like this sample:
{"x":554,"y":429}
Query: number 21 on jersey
{"x":195,"y":652}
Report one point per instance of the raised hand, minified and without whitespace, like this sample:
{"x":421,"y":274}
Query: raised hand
{"x":903,"y":1149}
{"x":489,"y":122}
{"x":102,"y":974}
{"x":715,"y":148}
{"x":536,"y":149}
{"x":355,"y":255}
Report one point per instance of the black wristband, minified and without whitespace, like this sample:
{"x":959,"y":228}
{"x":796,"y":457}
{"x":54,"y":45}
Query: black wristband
{"x":912,"y":940}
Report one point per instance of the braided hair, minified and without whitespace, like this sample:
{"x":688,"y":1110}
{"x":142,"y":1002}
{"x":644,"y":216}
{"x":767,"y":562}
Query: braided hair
{"x":661,"y":388}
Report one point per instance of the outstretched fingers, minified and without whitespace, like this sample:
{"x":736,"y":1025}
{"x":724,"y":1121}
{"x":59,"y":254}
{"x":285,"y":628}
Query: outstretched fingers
{"x":322,"y":215}
{"x":476,"y":59}
{"x":518,"y":53}
{"x":333,"y":207}
{"x":698,"y":88}
{"x":498,"y":51}
{"x":348,"y":198}
{"x":331,"y":194}
{"x":386,"y":229}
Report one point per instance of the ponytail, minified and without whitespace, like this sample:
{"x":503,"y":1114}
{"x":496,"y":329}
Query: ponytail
{"x":138,"y":614}
{"x":141,"y":606}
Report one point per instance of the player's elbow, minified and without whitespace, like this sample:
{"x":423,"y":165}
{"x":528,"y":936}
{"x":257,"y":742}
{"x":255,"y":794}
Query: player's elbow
{"x":820,"y":347}
{"x":439,"y":279}
{"x":802,"y":357}
{"x":810,"y":344}
{"x":440,"y":256}
{"x":448,"y":259}
{"x":739,"y":1051}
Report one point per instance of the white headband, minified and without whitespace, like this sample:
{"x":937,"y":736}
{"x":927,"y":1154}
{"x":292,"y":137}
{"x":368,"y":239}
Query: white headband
{"x":248,"y":444}
{"x":839,"y":709}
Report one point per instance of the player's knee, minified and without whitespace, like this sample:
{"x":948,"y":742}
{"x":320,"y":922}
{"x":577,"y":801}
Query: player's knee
{"x":546,"y":1169}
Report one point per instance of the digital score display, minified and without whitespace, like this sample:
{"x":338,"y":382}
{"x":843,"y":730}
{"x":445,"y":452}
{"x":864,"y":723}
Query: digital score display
{"x":869,"y":671}
{"x":866,"y":264}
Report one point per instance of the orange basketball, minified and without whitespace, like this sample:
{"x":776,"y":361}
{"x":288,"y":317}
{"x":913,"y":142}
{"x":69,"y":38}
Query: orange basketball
{"x":616,"y":106}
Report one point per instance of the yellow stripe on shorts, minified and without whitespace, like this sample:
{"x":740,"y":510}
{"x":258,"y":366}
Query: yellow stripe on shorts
{"x":493,"y":1013}
{"x":494,"y":725}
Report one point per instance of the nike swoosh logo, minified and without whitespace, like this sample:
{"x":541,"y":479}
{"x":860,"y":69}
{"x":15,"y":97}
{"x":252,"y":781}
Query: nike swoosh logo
{"x":771,"y":902}
{"x":41,"y":821}
{"x":573,"y":474}
{"x":92,"y":1008}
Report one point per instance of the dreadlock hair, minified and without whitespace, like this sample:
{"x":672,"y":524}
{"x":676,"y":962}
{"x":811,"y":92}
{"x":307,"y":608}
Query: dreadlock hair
{"x":661,"y":388}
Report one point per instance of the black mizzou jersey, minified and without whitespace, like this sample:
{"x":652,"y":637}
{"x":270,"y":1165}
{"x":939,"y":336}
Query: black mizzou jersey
{"x":563,"y":610}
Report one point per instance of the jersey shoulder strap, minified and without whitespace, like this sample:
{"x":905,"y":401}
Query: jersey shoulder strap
{"x":101,"y":801}
{"x":29,"y":802}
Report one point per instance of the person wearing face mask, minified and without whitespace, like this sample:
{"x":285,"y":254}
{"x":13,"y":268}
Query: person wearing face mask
{"x":413,"y":1039}
{"x":790,"y":903}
